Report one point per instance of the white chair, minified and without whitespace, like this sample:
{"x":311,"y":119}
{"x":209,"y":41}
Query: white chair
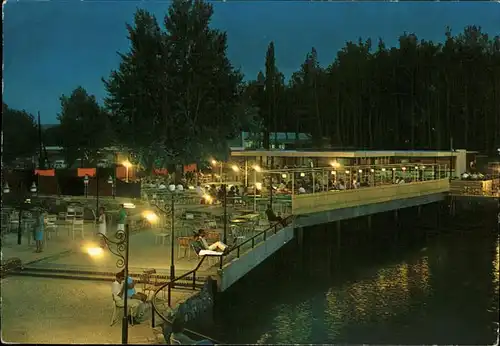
{"x":161,"y":237}
{"x":211,"y":224}
{"x":77,"y":226}
{"x":118,"y":305}
{"x":51,"y":226}
{"x":237,"y":236}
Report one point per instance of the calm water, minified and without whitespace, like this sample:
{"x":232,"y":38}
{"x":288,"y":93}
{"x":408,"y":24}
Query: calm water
{"x":427,"y":280}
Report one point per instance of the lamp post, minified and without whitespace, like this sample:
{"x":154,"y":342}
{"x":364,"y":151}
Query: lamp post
{"x":119,"y":248}
{"x":224,"y":189}
{"x":111,"y":181}
{"x":127,"y":165}
{"x":172,"y":190}
{"x":255,"y":170}
{"x":6,"y":188}
{"x":33,"y":188}
{"x":86,"y":184}
{"x":97,"y":190}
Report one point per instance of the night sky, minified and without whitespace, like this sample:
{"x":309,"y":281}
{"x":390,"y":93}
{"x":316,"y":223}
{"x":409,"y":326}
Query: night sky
{"x":51,"y":47}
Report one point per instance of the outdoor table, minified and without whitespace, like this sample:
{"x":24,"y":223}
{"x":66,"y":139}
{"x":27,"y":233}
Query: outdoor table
{"x":249,"y":216}
{"x":246,"y":211}
{"x":238,"y":220}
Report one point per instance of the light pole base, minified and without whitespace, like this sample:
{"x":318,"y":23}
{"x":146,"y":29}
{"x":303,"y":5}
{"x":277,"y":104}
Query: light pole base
{"x":172,"y":277}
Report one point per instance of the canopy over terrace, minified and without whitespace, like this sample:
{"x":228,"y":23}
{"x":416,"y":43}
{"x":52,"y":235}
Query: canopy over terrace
{"x":276,"y":159}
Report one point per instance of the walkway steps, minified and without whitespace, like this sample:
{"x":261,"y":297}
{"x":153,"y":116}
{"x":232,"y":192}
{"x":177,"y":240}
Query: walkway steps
{"x":94,"y":275}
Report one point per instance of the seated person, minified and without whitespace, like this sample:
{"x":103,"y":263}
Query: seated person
{"x":341,"y":185}
{"x":177,"y":337}
{"x":271,"y":216}
{"x":131,"y":292}
{"x":138,"y":308}
{"x":201,"y":243}
{"x":212,"y":191}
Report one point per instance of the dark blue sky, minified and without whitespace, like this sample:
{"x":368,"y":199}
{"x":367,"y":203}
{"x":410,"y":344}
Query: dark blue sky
{"x":51,"y":47}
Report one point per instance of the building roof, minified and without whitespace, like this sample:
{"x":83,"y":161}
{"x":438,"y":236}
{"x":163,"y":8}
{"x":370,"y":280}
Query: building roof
{"x":345,"y":154}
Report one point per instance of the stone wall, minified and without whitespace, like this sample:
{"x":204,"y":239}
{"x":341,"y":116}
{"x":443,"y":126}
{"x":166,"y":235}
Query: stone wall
{"x":197,"y":307}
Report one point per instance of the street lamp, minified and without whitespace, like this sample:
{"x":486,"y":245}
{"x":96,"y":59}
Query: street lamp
{"x":172,"y":190}
{"x":119,"y":248}
{"x":127,"y":165}
{"x":112,"y":182}
{"x":33,"y":188}
{"x":256,"y":169}
{"x":214,"y":163}
{"x":86,"y":184}
{"x":6,"y":188}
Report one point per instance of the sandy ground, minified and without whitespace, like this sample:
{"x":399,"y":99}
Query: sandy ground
{"x":40,"y":310}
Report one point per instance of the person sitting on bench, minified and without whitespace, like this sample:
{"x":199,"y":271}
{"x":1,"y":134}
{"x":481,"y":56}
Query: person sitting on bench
{"x":201,"y":243}
{"x":271,"y":216}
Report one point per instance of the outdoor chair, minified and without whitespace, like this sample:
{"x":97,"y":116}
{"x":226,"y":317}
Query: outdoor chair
{"x":149,"y":284}
{"x":263,"y":223}
{"x":51,"y":226}
{"x":161,"y":237}
{"x":14,"y":219}
{"x":77,"y":226}
{"x":79,"y":214}
{"x":236,"y":234}
{"x":200,"y":254}
{"x":211,"y":224}
{"x":183,"y":244}
{"x":118,"y":306}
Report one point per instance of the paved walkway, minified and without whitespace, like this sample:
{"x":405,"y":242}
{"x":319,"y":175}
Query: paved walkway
{"x":62,"y":252}
{"x":40,"y":310}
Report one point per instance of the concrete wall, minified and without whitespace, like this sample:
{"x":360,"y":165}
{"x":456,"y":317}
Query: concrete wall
{"x":197,"y":307}
{"x":368,"y":209}
{"x":239,"y":267}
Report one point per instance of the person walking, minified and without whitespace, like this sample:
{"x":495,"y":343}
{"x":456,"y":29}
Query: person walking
{"x":122,"y":218}
{"x":101,"y":226}
{"x":39,"y":229}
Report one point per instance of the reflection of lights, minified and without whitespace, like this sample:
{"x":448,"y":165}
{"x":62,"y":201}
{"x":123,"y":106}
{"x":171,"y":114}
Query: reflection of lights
{"x":293,"y":323}
{"x":150,"y":216}
{"x":95,"y":251}
{"x":283,"y":176}
{"x":258,"y":186}
{"x":214,"y":162}
{"x":235,"y":168}
{"x":207,"y":198}
{"x":334,"y":173}
{"x":335,"y":164}
{"x":257,"y":168}
{"x":383,"y":169}
{"x":302,"y":174}
{"x":381,"y":296}
{"x":496,"y":266}
{"x":129,"y":205}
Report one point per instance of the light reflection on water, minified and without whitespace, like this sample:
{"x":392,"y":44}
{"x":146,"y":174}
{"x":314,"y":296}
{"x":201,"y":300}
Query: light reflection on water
{"x":444,"y":293}
{"x":376,"y":298}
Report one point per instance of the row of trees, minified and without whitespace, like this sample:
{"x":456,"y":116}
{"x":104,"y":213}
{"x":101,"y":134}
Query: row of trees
{"x":175,"y":97}
{"x":417,"y":96}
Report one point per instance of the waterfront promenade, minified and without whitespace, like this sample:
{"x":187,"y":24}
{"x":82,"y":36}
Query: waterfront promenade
{"x":45,"y":311}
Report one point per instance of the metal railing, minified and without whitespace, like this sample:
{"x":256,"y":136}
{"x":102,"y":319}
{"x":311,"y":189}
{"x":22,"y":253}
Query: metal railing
{"x":165,"y":319}
{"x":273,"y":229}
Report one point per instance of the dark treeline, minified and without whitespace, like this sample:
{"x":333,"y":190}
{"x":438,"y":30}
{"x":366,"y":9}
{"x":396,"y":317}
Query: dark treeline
{"x":175,"y":97}
{"x":415,"y":96}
